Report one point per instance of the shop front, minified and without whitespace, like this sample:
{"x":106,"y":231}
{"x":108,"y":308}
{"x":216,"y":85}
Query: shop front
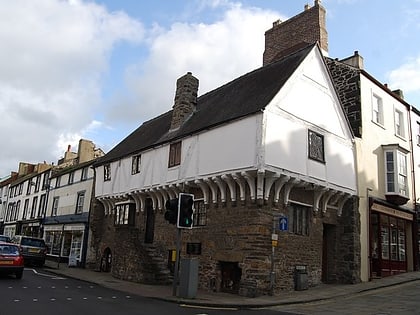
{"x":391,"y":240}
{"x":65,"y":242}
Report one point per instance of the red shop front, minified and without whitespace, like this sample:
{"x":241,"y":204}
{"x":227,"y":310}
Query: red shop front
{"x":391,"y":240}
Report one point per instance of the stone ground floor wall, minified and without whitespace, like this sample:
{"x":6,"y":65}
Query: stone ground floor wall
{"x":236,"y":246}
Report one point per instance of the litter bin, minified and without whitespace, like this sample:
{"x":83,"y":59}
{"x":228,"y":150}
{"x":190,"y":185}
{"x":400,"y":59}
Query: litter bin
{"x":301,"y":278}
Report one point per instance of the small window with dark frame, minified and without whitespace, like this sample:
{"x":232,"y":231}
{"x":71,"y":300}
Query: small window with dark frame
{"x":316,"y":146}
{"x":84,"y":173}
{"x":124,"y":214}
{"x":54,"y":209}
{"x":174,"y":154}
{"x":200,"y":213}
{"x":80,"y":202}
{"x":418,"y":133}
{"x":71,"y":178}
{"x":299,"y":219}
{"x":135,"y":164}
{"x":107,"y":172}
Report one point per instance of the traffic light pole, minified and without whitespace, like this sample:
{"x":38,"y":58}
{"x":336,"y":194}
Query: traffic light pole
{"x":178,"y":253}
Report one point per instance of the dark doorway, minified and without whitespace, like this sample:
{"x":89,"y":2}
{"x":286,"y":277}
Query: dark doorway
{"x":328,"y":253}
{"x":106,"y":260}
{"x":231,"y":276}
{"x":150,"y":222}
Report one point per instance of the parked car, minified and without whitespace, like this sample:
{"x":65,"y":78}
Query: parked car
{"x":4,"y":238}
{"x":11,"y":259}
{"x":33,"y":249}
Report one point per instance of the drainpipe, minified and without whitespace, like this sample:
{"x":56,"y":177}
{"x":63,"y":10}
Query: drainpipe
{"x":413,"y":188}
{"x":369,"y":234}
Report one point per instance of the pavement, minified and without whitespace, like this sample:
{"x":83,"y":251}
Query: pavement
{"x":226,"y":300}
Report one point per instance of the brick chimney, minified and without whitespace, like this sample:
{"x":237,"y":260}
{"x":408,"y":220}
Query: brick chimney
{"x":185,"y":101}
{"x":305,"y":28}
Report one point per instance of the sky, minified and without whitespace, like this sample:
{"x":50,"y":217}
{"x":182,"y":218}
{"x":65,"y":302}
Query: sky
{"x":72,"y":69}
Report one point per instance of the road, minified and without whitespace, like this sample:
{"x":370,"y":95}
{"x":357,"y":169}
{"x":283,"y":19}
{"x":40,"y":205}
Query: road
{"x":401,"y":299}
{"x":40,"y":292}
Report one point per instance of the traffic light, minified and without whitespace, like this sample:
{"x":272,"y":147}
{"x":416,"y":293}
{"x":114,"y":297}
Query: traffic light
{"x":171,"y":214}
{"x":186,"y":211}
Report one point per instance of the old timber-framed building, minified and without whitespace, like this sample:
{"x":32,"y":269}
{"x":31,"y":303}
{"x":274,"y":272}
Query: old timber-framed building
{"x":272,"y":143}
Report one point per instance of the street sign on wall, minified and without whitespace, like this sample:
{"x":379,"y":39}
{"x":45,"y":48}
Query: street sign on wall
{"x":283,"y":224}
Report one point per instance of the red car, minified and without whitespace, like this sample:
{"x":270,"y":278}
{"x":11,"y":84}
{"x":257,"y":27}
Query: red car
{"x":11,"y":260}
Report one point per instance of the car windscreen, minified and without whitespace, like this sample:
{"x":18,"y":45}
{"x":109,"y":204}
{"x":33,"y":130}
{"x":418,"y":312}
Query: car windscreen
{"x":4,"y":238}
{"x":32,"y":242}
{"x":10,"y":250}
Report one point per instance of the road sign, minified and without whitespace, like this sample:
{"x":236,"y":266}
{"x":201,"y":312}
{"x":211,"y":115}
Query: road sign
{"x":283,"y":224}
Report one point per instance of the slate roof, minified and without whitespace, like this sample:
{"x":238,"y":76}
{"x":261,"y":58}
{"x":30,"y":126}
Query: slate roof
{"x":241,"y":97}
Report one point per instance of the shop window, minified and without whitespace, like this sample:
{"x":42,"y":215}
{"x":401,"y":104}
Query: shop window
{"x":76,"y":244}
{"x":53,"y":242}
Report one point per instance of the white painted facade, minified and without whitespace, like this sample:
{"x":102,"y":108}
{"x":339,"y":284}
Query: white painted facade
{"x":270,"y":146}
{"x":415,"y":136}
{"x":370,"y":161}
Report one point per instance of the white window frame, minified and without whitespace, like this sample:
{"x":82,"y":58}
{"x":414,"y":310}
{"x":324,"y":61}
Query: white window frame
{"x":377,"y":110}
{"x":396,"y":171}
{"x":399,"y":123}
{"x":54,"y":209}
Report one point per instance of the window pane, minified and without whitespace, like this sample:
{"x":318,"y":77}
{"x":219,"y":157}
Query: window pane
{"x":385,"y":242}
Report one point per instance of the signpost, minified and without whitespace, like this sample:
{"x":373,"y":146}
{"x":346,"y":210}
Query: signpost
{"x":282,"y":222}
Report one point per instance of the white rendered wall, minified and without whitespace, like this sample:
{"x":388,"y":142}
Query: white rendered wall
{"x":308,"y":102}
{"x":226,"y":148}
{"x":370,"y":159}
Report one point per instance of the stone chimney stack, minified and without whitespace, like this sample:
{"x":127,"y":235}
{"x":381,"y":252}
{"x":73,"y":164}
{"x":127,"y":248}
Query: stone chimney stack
{"x":355,"y":61}
{"x":185,"y":99}
{"x":308,"y":27}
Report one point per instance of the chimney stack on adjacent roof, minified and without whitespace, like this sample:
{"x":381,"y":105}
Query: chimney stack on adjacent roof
{"x":355,"y":61}
{"x":185,"y":99}
{"x":308,"y":27}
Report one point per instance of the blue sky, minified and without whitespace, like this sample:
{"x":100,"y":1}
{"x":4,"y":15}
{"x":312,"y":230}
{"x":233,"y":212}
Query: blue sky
{"x":97,"y":70}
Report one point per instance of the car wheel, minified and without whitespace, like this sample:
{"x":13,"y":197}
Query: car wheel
{"x":19,"y":274}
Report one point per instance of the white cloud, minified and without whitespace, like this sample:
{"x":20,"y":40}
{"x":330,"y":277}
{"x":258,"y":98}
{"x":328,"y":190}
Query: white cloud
{"x":52,"y":58}
{"x":215,"y":53}
{"x":407,"y":76}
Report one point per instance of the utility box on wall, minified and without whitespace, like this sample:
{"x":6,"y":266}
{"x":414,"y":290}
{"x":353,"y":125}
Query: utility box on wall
{"x":188,"y":278}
